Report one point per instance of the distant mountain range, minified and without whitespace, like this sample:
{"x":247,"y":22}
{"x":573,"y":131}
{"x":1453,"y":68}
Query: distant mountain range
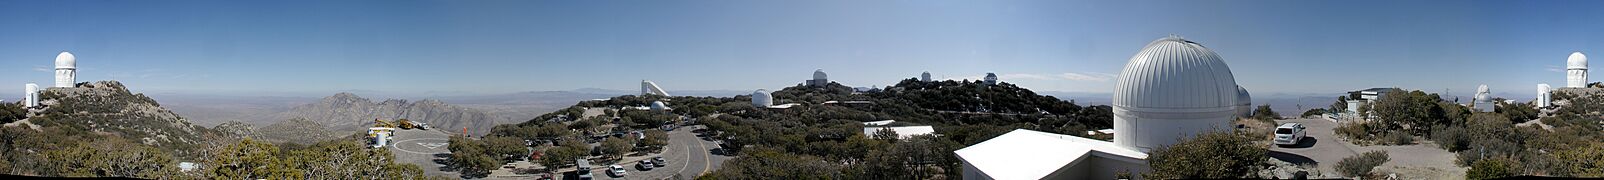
{"x":212,"y":110}
{"x":349,"y":112}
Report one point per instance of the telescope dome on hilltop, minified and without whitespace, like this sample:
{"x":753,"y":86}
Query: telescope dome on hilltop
{"x":66,"y":60}
{"x":1577,"y":60}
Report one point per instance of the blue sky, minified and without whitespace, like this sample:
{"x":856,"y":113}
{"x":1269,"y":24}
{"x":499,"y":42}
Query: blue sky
{"x":322,"y":47}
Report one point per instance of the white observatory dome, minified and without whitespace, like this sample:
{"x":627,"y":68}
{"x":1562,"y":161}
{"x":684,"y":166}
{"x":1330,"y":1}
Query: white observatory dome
{"x":1173,"y":73}
{"x":66,"y":60}
{"x":1576,"y":61}
{"x":1172,"y":88}
{"x":924,"y":76}
{"x":761,"y":98}
{"x":1482,"y":92}
{"x":659,"y":106}
{"x":819,"y":75}
{"x":1244,"y":102}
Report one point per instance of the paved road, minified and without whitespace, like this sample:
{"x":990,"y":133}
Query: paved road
{"x":688,"y":156}
{"x":1320,"y":147}
{"x":1418,"y":161}
{"x":419,"y":147}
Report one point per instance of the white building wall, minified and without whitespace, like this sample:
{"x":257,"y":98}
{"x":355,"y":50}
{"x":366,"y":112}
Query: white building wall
{"x":1144,"y":131}
{"x":1544,"y":95}
{"x":1576,"y":78}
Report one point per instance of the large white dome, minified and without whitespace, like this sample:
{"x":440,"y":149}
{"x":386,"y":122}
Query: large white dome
{"x":1172,"y":89}
{"x":1576,"y":61}
{"x":1174,"y":73}
{"x":66,"y":60}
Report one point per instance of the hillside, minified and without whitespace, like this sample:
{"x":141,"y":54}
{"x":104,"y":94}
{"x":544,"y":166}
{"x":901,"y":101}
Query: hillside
{"x":297,"y":130}
{"x":107,"y":107}
{"x":349,"y":112}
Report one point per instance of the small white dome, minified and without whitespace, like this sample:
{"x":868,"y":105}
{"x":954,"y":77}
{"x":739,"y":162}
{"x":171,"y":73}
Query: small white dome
{"x":1242,"y":97}
{"x":1576,"y":61}
{"x":1482,"y":92}
{"x":658,"y":106}
{"x":761,"y":98}
{"x":924,"y":76}
{"x":819,"y":75}
{"x":66,"y":60}
{"x":1174,"y":73}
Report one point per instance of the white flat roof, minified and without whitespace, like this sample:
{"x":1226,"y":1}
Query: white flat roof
{"x":878,"y":123}
{"x":783,"y":106}
{"x":903,"y":132}
{"x":1027,"y":154}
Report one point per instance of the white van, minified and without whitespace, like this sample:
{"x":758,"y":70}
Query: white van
{"x":1289,"y":134}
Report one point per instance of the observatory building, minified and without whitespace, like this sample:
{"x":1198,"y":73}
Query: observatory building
{"x":1172,"y":88}
{"x":762,"y":99}
{"x":991,"y":79}
{"x":649,"y":87}
{"x":30,"y":98}
{"x":66,"y":70}
{"x":1576,"y":70}
{"x":819,"y":79}
{"x":1544,"y":95}
{"x":659,"y":106}
{"x":1484,"y":99}
{"x":1244,"y":103}
{"x":924,"y":77}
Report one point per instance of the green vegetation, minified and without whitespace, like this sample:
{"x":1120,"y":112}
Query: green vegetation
{"x":1361,"y":165}
{"x":814,"y":140}
{"x":1493,"y":169}
{"x":1212,"y":155}
{"x":1490,"y":142}
{"x":12,"y":112}
{"x":1316,"y":112}
{"x":1263,"y":112}
{"x":470,"y":157}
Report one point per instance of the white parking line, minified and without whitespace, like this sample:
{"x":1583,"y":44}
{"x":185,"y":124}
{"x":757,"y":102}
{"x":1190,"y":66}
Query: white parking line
{"x":402,"y":142}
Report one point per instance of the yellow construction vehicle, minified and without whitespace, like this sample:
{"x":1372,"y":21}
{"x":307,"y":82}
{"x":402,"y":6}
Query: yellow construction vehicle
{"x":406,"y":124}
{"x":382,"y":123}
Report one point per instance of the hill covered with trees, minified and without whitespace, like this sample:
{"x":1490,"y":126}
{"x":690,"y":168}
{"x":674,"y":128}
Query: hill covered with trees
{"x":100,"y":129}
{"x":822,"y":136}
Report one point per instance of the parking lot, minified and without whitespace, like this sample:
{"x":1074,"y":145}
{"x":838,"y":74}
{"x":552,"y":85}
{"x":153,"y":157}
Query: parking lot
{"x":421,"y":147}
{"x":1323,"y":149}
{"x":687,"y":155}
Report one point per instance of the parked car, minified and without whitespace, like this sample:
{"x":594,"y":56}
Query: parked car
{"x":659,"y":161}
{"x":583,"y":167}
{"x":616,"y":170}
{"x":1289,"y":134}
{"x":645,"y":165}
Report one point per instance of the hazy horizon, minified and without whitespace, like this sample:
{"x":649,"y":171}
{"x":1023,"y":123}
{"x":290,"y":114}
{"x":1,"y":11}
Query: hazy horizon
{"x":424,"y":48}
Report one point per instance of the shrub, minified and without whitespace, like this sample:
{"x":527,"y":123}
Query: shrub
{"x":1584,"y":161}
{"x":1355,"y":131}
{"x":1451,"y":138}
{"x":1492,"y":168}
{"x":1399,"y":138}
{"x":1212,"y":155}
{"x":1313,"y":112}
{"x":1263,"y":112}
{"x":1362,"y":164}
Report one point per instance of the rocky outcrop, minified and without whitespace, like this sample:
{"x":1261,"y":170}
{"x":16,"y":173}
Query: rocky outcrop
{"x":349,"y":112}
{"x":235,"y":129}
{"x":297,"y":130}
